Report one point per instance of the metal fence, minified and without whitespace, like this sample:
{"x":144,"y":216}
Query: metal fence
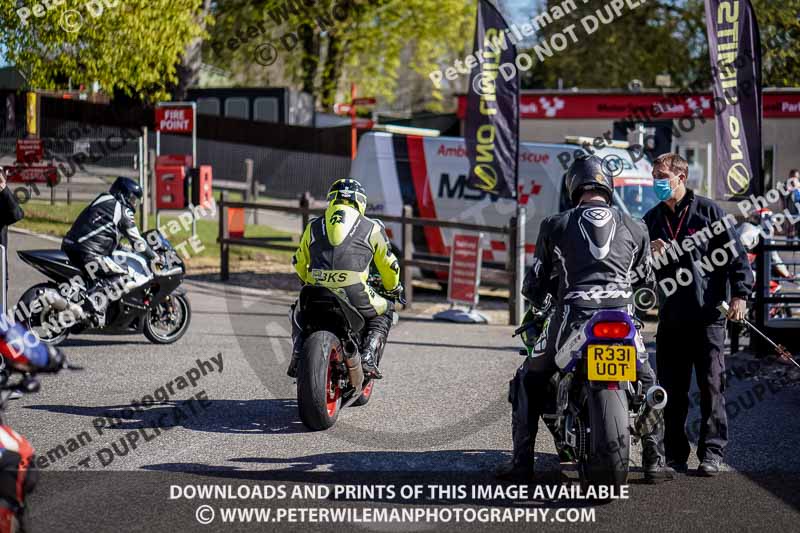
{"x":101,"y":145}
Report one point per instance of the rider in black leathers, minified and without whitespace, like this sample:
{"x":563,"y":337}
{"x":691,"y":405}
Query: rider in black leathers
{"x":97,"y":232}
{"x":586,"y":258}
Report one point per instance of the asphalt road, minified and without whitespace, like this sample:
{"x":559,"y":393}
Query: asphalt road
{"x":439,"y":417}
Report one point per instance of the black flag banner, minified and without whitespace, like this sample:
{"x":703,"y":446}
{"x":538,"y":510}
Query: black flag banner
{"x":491,"y":129}
{"x":735,"y":49}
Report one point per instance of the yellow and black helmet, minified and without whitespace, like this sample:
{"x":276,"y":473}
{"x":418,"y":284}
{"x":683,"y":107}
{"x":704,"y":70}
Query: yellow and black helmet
{"x":348,"y":191}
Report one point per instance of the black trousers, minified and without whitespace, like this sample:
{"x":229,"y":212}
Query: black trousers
{"x":681,"y":348}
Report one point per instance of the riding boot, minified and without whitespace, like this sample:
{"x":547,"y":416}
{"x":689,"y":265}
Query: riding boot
{"x":95,"y":304}
{"x":370,"y":353}
{"x":653,"y":464}
{"x":292,"y":370}
{"x":373,"y":343}
{"x":297,"y":343}
{"x":523,"y":434}
{"x":520,"y":467}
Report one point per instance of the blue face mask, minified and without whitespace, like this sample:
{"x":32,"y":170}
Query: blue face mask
{"x":662,"y":189}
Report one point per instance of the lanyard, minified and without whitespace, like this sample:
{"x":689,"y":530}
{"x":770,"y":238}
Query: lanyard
{"x":674,"y":234}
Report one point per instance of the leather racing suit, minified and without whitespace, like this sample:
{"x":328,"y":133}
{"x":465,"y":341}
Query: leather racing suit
{"x":586,"y":258}
{"x":336,"y":251}
{"x":94,"y":236}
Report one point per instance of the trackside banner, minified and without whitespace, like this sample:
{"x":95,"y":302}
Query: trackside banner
{"x":492,"y":115}
{"x":735,"y":50}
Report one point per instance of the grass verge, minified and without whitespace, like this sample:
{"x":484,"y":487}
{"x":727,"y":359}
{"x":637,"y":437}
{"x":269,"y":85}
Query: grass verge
{"x":41,"y":217}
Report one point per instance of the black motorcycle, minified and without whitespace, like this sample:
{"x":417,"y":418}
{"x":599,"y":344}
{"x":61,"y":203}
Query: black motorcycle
{"x":151,"y":299}
{"x":329,"y":373}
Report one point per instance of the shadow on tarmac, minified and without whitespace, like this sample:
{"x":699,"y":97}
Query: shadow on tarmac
{"x":257,"y":417}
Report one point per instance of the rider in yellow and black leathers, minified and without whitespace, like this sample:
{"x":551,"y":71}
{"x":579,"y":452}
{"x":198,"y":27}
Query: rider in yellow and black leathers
{"x":336,"y":251}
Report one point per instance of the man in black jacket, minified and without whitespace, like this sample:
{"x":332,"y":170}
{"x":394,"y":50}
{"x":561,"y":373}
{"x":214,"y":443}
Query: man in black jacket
{"x":10,"y":212}
{"x":586,"y":259}
{"x":97,"y":232}
{"x":699,"y":261}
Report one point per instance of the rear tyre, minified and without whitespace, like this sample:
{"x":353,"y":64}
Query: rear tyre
{"x":366,"y":394}
{"x":609,"y":438}
{"x":319,"y":397}
{"x":43,"y":323}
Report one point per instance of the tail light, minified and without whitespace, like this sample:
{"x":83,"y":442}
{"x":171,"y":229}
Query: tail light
{"x":611,"y":330}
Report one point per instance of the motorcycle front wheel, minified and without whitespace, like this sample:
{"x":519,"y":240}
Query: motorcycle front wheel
{"x":168,"y":322}
{"x":319,"y":397}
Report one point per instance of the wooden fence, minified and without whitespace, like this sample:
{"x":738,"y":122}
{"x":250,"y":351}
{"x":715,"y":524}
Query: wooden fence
{"x":513,"y":270}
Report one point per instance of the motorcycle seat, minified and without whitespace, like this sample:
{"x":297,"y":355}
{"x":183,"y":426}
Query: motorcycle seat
{"x":314,"y":298}
{"x":51,"y":261}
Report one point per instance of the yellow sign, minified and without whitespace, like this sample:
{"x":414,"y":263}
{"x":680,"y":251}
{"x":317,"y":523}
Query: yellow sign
{"x":30,"y":115}
{"x":611,"y":363}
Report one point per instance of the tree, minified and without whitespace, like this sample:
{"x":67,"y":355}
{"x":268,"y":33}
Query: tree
{"x":325,"y":46}
{"x":641,"y":44}
{"x":780,"y":41}
{"x":662,"y":37}
{"x":133,"y":46}
{"x":189,"y":69}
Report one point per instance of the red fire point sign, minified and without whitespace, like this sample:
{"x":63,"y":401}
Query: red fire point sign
{"x":174,"y":119}
{"x":465,"y":269}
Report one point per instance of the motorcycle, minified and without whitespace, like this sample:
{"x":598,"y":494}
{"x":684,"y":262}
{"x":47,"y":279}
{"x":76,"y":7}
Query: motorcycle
{"x":329,"y":373}
{"x":18,"y":476}
{"x":597,"y":407}
{"x":150,"y":301}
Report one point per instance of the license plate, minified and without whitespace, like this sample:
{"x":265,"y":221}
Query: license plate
{"x":611,"y":363}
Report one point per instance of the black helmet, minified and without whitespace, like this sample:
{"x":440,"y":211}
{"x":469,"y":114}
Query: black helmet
{"x":586,"y":173}
{"x":349,"y":191}
{"x":126,"y":191}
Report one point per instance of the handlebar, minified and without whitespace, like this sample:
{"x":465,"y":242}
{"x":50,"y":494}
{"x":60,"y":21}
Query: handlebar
{"x":519,"y":330}
{"x":375,"y":282}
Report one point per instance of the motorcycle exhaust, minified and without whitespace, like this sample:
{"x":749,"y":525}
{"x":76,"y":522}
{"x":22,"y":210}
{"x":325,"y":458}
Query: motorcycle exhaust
{"x":651,"y":413}
{"x":352,"y":360}
{"x":61,"y":304}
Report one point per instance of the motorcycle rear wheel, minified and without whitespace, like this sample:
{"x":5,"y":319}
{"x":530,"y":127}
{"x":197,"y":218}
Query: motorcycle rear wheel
{"x":609,"y":451}
{"x":319,"y":397}
{"x":35,"y":321}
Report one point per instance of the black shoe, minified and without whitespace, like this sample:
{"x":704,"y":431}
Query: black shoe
{"x":658,"y":472}
{"x":515,"y":471}
{"x":709,"y":468}
{"x":679,"y":467}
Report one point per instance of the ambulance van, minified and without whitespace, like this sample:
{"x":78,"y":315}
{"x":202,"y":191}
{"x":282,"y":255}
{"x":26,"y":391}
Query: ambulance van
{"x":429,"y":174}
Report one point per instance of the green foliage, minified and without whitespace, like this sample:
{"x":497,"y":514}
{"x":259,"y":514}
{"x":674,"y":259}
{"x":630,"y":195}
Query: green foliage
{"x":133,"y":45}
{"x":780,"y":41}
{"x":662,"y":37}
{"x":373,"y":45}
